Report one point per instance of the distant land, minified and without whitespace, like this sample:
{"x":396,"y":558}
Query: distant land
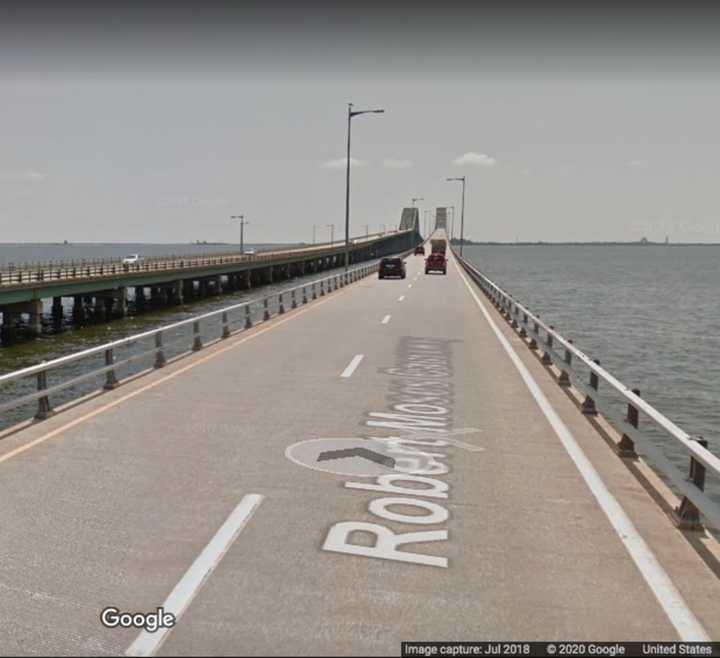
{"x":627,"y":243}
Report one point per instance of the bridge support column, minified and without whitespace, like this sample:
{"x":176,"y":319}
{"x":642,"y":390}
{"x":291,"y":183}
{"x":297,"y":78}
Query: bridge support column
{"x":269,"y":274}
{"x":202,"y":288}
{"x":8,"y":331}
{"x":217,"y":280}
{"x":245,"y":280}
{"x":35,"y":311}
{"x":122,"y":302}
{"x":139,"y":298}
{"x":79,"y":315}
{"x":177,"y":291}
{"x":99,"y":309}
{"x":57,"y":312}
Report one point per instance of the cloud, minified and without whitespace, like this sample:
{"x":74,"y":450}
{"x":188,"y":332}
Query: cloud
{"x":24,"y":177}
{"x":341,"y":163}
{"x":637,"y":164}
{"x":477,"y":159}
{"x":390,"y":163}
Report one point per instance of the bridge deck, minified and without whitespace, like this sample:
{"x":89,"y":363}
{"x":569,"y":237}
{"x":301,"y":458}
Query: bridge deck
{"x":111,"y":502}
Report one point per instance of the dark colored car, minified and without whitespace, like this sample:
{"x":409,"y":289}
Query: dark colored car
{"x":436,"y":263}
{"x":419,"y":250}
{"x":391,"y":267}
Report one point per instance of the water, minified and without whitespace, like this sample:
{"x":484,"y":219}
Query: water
{"x":650,"y":314}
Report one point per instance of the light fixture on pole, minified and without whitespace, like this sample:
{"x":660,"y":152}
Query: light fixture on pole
{"x":350,"y":115}
{"x":416,"y":198}
{"x":243,"y":222}
{"x":462,"y":211}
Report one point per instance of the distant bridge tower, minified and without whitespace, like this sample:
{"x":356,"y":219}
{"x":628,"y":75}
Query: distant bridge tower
{"x":410,"y":219}
{"x":441,"y":218}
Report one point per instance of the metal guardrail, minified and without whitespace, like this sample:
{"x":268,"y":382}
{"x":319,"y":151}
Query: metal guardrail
{"x":587,"y":374}
{"x":230,"y":320}
{"x":47,"y":272}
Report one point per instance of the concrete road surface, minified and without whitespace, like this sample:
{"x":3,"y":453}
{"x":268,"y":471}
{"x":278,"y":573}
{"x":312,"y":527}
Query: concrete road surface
{"x":374,"y":467}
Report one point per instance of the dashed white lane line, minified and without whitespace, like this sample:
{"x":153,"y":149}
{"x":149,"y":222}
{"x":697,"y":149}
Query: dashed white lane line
{"x":401,"y":298}
{"x":670,"y":599}
{"x":409,"y":285}
{"x":195,"y":577}
{"x":385,"y":320}
{"x":352,"y":365}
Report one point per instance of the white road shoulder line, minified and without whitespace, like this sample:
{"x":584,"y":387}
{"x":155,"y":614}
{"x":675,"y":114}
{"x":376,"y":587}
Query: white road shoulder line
{"x":195,"y":577}
{"x":352,"y":365}
{"x":386,"y":319}
{"x":401,"y":298}
{"x":670,"y":599}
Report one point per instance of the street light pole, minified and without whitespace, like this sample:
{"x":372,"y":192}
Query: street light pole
{"x":452,"y":223}
{"x":314,"y":227}
{"x":367,"y":230}
{"x":351,"y":114}
{"x":242,"y":227}
{"x":332,"y":233}
{"x":462,"y":211}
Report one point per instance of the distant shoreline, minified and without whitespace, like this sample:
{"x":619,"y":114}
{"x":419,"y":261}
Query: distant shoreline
{"x":472,"y":243}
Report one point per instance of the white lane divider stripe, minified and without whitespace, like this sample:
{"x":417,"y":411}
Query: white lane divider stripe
{"x":670,"y":599}
{"x":386,"y":319}
{"x":195,"y":577}
{"x":401,"y":298}
{"x":352,"y":365}
{"x":409,"y":285}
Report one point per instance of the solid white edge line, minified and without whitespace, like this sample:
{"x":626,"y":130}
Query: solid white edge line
{"x":352,"y":365}
{"x":670,"y":599}
{"x":386,"y":319}
{"x":401,"y":298}
{"x":146,"y":644}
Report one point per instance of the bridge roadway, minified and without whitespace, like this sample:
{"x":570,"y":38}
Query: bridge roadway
{"x":117,"y":501}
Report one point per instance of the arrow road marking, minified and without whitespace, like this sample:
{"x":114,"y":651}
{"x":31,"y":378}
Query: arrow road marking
{"x":357,"y":452}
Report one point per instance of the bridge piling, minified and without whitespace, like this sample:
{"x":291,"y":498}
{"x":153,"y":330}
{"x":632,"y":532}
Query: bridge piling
{"x":57,"y":313}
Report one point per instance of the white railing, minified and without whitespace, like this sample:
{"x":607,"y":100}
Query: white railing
{"x":560,"y":352}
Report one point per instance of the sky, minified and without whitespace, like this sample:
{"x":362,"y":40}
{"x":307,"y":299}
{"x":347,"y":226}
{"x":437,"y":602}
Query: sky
{"x":571,"y":122}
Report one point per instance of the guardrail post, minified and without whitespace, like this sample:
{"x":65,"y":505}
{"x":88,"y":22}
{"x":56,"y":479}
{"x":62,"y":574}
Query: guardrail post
{"x":314,"y":293}
{"x":547,"y":357}
{"x":248,"y":320}
{"x":159,"y":352}
{"x":110,"y":379}
{"x":523,"y":331}
{"x":225,"y":325}
{"x":533,"y":341}
{"x":686,"y":515}
{"x":266,"y":309}
{"x":626,"y":447}
{"x":293,"y":303}
{"x":43,"y":411}
{"x":564,"y":379}
{"x":304,"y":295}
{"x":322,"y":287}
{"x":197,"y":341}
{"x":281,"y":306}
{"x":588,"y":405}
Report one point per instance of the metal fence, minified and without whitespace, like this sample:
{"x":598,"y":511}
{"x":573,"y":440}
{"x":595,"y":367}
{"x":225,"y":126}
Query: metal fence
{"x":627,"y":412}
{"x":104,"y":366}
{"x":26,"y":273}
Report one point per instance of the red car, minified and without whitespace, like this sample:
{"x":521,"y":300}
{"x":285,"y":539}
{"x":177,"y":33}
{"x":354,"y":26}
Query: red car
{"x":436,"y":263}
{"x":419,"y":250}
